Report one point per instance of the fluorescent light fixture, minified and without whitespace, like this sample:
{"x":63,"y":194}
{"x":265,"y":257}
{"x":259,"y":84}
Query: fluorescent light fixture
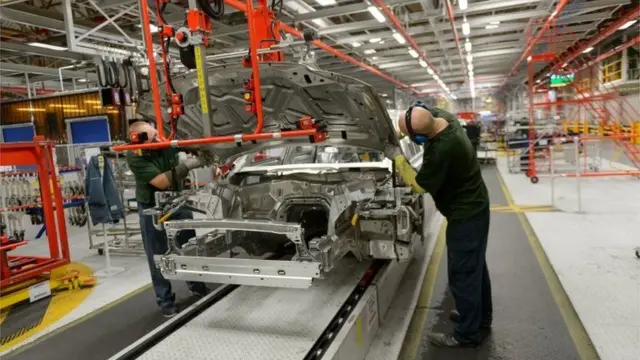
{"x":82,"y":80}
{"x":423,"y":63}
{"x":466,"y":28}
{"x":627,"y":24}
{"x":491,"y":26}
{"x":454,"y":97}
{"x":375,"y":40}
{"x":495,"y":23}
{"x":565,"y":64}
{"x":377,"y":14}
{"x":356,"y":44}
{"x":375,"y":58}
{"x":467,"y":45}
{"x":413,"y":53}
{"x":436,"y":77}
{"x":47,"y":46}
{"x":381,"y":42}
{"x":587,"y":50}
{"x":326,"y":2}
{"x":470,"y":67}
{"x":399,"y":38}
{"x":538,"y":81}
{"x":469,"y":58}
{"x":370,"y":51}
{"x":383,"y":95}
{"x":529,"y":58}
{"x":430,"y":70}
{"x":152,"y":28}
{"x":463,"y":4}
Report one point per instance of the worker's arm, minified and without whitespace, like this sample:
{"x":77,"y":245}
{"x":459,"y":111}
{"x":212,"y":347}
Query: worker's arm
{"x":145,"y":171}
{"x":433,"y":172}
{"x":407,"y":173}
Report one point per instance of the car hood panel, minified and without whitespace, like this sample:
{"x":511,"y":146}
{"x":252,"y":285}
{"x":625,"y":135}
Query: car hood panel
{"x":351,"y":109}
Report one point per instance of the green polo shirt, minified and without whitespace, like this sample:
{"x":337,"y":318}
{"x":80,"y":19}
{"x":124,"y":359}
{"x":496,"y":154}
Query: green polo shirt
{"x":146,"y":166}
{"x":451,"y":173}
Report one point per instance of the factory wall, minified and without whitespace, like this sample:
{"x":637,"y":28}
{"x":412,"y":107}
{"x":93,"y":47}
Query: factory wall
{"x":48,"y":114}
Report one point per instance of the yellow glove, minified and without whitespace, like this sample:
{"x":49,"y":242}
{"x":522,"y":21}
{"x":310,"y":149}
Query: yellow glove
{"x":407,"y":173}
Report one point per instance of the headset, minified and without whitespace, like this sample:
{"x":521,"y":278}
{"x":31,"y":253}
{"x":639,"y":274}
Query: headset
{"x":417,"y":139}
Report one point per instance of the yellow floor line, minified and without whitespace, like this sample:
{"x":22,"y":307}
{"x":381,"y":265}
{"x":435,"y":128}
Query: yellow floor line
{"x":413,"y":338}
{"x":82,"y":319}
{"x":578,"y":334}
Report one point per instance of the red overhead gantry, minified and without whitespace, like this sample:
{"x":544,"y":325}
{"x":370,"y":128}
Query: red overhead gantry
{"x":261,"y":21}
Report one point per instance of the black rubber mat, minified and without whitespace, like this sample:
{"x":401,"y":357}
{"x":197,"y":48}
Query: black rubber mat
{"x":527,"y":322}
{"x":106,"y":333}
{"x":22,"y":318}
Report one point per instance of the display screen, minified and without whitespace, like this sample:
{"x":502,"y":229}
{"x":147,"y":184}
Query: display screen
{"x":558,"y":80}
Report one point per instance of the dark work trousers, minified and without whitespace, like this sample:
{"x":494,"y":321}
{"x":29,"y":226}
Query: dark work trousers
{"x":155,"y":243}
{"x":468,"y":274}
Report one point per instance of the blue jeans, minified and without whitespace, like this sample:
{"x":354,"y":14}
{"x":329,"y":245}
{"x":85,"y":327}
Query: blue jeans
{"x":468,"y":274}
{"x":155,"y":243}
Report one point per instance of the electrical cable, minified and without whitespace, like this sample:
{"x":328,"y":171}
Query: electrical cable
{"x":102,"y":74}
{"x":216,"y":12}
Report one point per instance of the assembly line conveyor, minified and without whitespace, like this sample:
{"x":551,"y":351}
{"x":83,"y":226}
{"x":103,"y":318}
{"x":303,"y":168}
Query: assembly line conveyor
{"x":337,"y":318}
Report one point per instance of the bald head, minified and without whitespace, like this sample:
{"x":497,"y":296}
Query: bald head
{"x":142,"y":126}
{"x":422,"y":122}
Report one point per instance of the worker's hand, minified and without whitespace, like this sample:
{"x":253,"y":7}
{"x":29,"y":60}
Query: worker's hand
{"x":392,"y":151}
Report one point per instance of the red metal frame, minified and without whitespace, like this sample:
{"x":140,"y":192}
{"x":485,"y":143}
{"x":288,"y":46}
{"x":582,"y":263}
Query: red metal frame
{"x":594,"y":97}
{"x":454,"y":28}
{"x":16,"y":268}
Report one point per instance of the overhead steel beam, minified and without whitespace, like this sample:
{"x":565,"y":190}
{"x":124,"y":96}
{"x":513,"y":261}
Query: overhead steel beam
{"x":31,"y":16}
{"x":46,"y":71}
{"x":32,"y":50}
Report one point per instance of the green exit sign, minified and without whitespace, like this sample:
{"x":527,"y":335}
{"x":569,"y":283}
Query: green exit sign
{"x":559,"y":80}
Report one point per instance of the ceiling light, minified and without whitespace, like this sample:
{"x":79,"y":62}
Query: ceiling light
{"x":467,"y":45}
{"x":587,"y":49}
{"x":375,"y":58}
{"x":375,"y":40}
{"x":383,"y":95}
{"x":469,"y":58}
{"x":369,"y":51}
{"x":436,"y":77}
{"x":399,"y":38}
{"x":423,"y":63}
{"x":430,"y":70}
{"x":82,"y":80}
{"x":320,"y":22}
{"x":463,"y":4}
{"x":538,"y":81}
{"x":495,"y":23}
{"x":454,"y":97}
{"x":381,"y":42}
{"x":47,"y":46}
{"x":377,"y":14}
{"x":413,"y":53}
{"x":356,"y":44}
{"x":627,"y":24}
{"x":529,"y":58}
{"x":470,"y":67}
{"x":326,"y":2}
{"x":491,"y":27}
{"x":466,"y":28}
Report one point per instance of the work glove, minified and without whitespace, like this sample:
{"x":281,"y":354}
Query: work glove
{"x":181,"y":171}
{"x":193,"y":163}
{"x":392,"y":151}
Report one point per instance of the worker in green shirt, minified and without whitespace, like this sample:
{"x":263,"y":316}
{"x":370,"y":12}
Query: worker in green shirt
{"x":450,"y":173}
{"x":159,"y":170}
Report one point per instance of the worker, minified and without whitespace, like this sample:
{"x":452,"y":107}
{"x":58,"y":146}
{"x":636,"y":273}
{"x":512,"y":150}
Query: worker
{"x":450,"y":173}
{"x":159,"y":170}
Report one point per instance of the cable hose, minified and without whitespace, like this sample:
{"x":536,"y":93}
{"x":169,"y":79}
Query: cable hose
{"x":101,"y":71}
{"x":125,"y":78}
{"x":216,"y":12}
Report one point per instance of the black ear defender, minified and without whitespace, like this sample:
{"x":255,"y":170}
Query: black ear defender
{"x":417,"y":139}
